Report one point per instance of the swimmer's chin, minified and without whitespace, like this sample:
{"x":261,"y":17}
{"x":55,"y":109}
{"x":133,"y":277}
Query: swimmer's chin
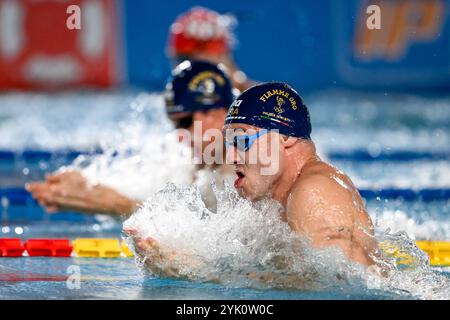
{"x":241,"y":191}
{"x":250,"y":196}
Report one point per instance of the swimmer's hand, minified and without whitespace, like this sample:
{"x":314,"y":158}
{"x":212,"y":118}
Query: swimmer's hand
{"x":160,"y":261}
{"x":71,"y":191}
{"x":150,"y":253}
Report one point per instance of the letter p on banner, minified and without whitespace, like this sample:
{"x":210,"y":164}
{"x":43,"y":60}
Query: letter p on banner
{"x":38,"y":50}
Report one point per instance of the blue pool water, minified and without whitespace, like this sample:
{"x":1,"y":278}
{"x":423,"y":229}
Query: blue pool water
{"x":383,"y":141}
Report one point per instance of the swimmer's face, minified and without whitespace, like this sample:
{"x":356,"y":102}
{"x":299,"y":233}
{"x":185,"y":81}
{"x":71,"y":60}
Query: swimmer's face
{"x":258,"y":168}
{"x":198,"y":123}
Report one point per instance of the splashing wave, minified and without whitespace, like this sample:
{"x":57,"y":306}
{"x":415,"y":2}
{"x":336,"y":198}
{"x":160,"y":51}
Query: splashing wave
{"x":247,"y":245}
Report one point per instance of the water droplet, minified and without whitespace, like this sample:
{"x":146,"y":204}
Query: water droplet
{"x":5,"y":202}
{"x":374,"y":149}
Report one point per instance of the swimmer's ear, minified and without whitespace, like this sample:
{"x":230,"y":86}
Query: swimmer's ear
{"x":288,"y":142}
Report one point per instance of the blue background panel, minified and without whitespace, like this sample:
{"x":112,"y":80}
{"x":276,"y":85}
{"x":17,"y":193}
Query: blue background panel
{"x":309,"y":44}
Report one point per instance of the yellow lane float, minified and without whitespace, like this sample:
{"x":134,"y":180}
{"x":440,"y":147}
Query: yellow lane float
{"x":439,"y":251}
{"x":125,"y":250}
{"x":392,"y":250}
{"x":97,"y":248}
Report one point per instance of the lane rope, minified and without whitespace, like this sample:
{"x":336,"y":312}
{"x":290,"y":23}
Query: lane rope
{"x":29,"y":156}
{"x":438,"y":251}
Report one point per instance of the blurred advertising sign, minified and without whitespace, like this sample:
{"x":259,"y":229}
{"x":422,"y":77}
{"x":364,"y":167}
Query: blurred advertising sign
{"x":411,"y":47}
{"x":39,"y":51}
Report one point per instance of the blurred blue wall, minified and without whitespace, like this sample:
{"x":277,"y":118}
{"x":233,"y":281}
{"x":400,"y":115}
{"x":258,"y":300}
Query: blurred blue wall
{"x":309,"y":44}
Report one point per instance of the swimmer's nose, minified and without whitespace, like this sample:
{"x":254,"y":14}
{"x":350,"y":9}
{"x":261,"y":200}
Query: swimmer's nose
{"x":233,"y":156}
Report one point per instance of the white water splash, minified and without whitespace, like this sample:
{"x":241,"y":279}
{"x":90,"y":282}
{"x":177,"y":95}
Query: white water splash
{"x":247,"y":245}
{"x":412,"y":174}
{"x":75,"y":120}
{"x":398,"y":220}
{"x":142,"y":155}
{"x":140,"y":174}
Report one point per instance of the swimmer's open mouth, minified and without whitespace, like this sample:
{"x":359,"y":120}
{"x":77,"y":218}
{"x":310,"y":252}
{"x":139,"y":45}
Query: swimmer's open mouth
{"x":238,"y":181}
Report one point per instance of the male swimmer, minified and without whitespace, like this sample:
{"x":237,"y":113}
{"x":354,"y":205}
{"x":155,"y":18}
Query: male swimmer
{"x":197,"y":92}
{"x":203,"y":34}
{"x":319,"y":201}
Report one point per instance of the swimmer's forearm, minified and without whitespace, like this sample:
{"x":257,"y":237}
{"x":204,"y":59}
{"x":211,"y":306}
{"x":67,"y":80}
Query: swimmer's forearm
{"x":123,"y":206}
{"x":71,"y":191}
{"x":170,"y":264}
{"x":105,"y":200}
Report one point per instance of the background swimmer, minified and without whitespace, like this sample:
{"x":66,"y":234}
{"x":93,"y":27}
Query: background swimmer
{"x":203,"y":34}
{"x":197,"y":92}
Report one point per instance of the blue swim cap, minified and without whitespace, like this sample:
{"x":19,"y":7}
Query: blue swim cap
{"x":272,"y":105}
{"x":197,"y":86}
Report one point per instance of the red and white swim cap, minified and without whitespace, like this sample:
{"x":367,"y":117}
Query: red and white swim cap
{"x":200,"y":30}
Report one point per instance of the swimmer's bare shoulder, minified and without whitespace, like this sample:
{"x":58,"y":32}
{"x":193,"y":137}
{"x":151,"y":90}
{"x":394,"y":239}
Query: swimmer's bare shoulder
{"x":325,"y":206}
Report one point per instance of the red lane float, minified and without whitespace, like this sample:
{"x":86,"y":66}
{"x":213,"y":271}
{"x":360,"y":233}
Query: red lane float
{"x":48,"y":247}
{"x":11,"y":247}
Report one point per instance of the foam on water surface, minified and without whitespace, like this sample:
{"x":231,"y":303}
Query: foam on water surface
{"x":142,"y":155}
{"x":247,"y":245}
{"x":78,"y":120}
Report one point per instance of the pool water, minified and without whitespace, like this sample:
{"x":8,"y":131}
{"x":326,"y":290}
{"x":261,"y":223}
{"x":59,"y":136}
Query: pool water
{"x":383,"y":141}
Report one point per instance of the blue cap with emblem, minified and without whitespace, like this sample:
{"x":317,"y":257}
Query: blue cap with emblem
{"x":272,"y":105}
{"x":198,"y":86}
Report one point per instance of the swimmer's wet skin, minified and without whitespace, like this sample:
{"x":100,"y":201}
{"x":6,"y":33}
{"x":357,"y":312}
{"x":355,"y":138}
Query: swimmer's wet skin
{"x":320,"y":201}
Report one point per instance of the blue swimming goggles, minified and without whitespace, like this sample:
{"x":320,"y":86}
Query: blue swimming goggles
{"x":245,"y":142}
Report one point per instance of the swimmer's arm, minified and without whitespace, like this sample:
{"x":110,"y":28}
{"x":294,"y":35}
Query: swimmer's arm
{"x":168,"y":263}
{"x":120,"y":205}
{"x":323,"y":211}
{"x":70,"y":191}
